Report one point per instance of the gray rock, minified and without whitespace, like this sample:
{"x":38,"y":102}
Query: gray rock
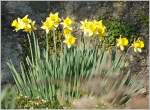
{"x":11,"y":50}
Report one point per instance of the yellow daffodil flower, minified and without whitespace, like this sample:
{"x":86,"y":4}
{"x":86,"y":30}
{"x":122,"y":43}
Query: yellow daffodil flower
{"x":26,"y":20}
{"x":93,"y":27}
{"x":122,"y":42}
{"x":67,"y":31}
{"x":29,"y":28}
{"x":48,"y":26}
{"x":138,"y":45}
{"x":54,"y":17}
{"x":51,"y":22}
{"x":67,"y":22}
{"x":101,"y":29}
{"x":29,"y":24}
{"x":69,"y":40}
{"x":87,"y":27}
{"x":24,"y":24}
{"x":17,"y":24}
{"x":84,"y":24}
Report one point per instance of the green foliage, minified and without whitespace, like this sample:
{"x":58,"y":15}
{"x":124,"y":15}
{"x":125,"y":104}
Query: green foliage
{"x":44,"y":76}
{"x":8,"y":96}
{"x":58,"y":77}
{"x":117,"y":27}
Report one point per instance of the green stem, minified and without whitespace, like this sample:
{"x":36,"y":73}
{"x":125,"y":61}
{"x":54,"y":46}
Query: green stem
{"x":31,"y":50}
{"x":47,"y":47}
{"x":61,"y":43}
{"x":127,"y":53}
{"x":83,"y":40}
{"x":54,"y":39}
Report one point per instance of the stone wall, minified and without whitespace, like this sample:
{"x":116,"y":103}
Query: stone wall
{"x":133,"y":12}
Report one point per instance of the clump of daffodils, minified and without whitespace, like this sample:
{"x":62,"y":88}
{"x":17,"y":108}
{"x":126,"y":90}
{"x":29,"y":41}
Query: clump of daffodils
{"x":67,"y":26}
{"x":93,"y":27}
{"x":53,"y":21}
{"x":67,"y":32}
{"x":89,"y":28}
{"x":25,"y":24}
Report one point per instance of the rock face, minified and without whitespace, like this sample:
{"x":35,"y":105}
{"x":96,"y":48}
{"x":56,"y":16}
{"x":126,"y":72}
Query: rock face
{"x":129,"y":11}
{"x":11,"y":50}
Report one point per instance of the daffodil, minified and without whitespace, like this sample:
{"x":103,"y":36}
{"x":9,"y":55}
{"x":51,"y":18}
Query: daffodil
{"x":87,"y":27}
{"x":29,"y":28}
{"x":84,"y":24}
{"x":122,"y":42}
{"x":29,"y":24}
{"x":26,"y":20}
{"x":67,"y":31}
{"x":93,"y":28}
{"x":101,"y":29}
{"x":67,"y":22}
{"x":69,"y":40}
{"x":51,"y":22}
{"x":55,"y":18}
{"x":17,"y":24}
{"x":138,"y":45}
{"x":48,"y":26}
{"x":24,"y":24}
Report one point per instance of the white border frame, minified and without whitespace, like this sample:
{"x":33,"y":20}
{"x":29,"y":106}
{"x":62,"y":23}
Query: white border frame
{"x":78,"y":0}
